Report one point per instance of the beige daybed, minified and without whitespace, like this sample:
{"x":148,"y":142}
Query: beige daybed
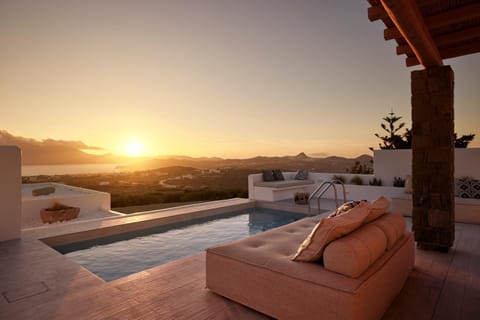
{"x":258,"y":271}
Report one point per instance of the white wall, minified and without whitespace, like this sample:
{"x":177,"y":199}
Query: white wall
{"x":67,"y":195}
{"x":10,"y":192}
{"x":390,"y":163}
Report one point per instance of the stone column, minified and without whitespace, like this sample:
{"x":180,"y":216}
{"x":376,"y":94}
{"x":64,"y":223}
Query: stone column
{"x":10,"y":193}
{"x":433,"y":157}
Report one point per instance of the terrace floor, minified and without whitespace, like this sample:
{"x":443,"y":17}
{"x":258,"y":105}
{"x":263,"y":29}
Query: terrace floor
{"x":36,"y":282}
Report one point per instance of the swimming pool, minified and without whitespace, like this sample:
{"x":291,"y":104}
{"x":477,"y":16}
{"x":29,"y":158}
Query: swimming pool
{"x":117,"y":256}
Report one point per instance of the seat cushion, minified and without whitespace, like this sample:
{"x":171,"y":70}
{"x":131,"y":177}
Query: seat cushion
{"x":393,"y":226}
{"x":353,"y":254}
{"x":283,"y":183}
{"x":329,"y":229}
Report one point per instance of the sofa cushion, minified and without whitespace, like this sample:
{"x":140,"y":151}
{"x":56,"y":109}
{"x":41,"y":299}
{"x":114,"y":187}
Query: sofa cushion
{"x":393,"y":225}
{"x":475,"y":189}
{"x":377,"y":208}
{"x":301,"y":175}
{"x":268,"y":175}
{"x":353,"y":254}
{"x":278,"y":175}
{"x":467,"y":188}
{"x":283,"y":184}
{"x":329,"y":229}
{"x":408,"y":184}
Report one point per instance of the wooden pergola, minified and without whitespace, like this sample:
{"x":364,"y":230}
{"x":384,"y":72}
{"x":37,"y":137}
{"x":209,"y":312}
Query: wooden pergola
{"x":428,"y":31}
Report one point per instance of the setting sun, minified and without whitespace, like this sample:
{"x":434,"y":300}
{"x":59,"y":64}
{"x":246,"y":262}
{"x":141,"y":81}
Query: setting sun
{"x":134,"y":149}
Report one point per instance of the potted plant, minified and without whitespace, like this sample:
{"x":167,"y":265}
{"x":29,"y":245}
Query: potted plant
{"x":58,"y":212}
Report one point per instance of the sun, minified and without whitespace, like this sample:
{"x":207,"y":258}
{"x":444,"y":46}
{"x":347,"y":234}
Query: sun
{"x":134,"y":149}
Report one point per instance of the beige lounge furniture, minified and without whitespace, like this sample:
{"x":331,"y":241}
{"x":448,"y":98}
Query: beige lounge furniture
{"x":277,"y":190}
{"x":258,"y":271}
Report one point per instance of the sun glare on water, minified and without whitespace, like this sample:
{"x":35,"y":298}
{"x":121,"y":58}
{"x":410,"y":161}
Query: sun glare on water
{"x":134,"y":149}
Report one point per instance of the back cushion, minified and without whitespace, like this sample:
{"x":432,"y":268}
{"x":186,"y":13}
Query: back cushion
{"x":393,"y":225}
{"x":268,"y":175}
{"x":329,"y":229}
{"x":278,"y":175}
{"x":377,"y":208}
{"x":354,"y":253}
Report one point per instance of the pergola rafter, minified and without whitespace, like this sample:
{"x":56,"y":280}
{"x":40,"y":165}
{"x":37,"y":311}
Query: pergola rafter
{"x":428,"y":31}
{"x":452,"y":25}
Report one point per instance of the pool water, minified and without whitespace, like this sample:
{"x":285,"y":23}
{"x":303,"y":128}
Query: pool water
{"x":117,"y":256}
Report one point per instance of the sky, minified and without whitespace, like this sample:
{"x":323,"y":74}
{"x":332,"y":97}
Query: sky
{"x":227,"y":78}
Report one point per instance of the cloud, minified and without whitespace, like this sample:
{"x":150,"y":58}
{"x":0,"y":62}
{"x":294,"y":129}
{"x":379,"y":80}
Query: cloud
{"x":51,"y":151}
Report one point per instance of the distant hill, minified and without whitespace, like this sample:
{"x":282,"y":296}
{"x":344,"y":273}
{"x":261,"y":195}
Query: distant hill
{"x":300,"y":161}
{"x":54,"y":152}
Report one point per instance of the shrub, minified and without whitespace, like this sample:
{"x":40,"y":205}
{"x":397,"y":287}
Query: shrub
{"x":398,"y":182}
{"x":339,"y":178}
{"x":356,"y":180}
{"x":375,"y":182}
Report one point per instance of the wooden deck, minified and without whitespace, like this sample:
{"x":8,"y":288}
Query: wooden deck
{"x":38,"y":283}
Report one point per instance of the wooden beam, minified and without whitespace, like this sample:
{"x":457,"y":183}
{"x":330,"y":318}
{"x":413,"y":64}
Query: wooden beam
{"x":446,"y":40}
{"x":459,"y":15}
{"x":462,"y":50}
{"x":391,"y":33}
{"x":440,"y":20}
{"x":376,"y":11}
{"x":450,"y":52}
{"x":406,"y":16}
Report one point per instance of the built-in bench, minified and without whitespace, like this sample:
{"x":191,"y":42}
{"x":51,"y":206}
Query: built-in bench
{"x":277,"y":190}
{"x":467,"y":210}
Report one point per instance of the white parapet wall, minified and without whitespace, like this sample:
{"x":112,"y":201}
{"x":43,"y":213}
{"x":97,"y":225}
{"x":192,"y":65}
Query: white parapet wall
{"x":10,"y":192}
{"x":85,"y":199}
{"x":390,"y":163}
{"x":387,"y":165}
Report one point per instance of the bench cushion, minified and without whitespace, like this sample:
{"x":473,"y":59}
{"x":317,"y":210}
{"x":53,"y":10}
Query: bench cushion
{"x":283,"y":183}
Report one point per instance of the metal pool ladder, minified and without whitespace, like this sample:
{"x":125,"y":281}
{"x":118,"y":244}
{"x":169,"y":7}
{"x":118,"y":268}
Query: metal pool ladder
{"x":321,"y":189}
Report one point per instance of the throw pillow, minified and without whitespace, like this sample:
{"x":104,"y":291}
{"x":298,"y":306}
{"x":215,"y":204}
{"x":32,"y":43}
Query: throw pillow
{"x":278,"y":175}
{"x":347,"y":206}
{"x":377,"y":208}
{"x":327,"y":230}
{"x":462,"y":187}
{"x":268,"y":175}
{"x":408,"y":184}
{"x":475,"y":188}
{"x":301,"y":175}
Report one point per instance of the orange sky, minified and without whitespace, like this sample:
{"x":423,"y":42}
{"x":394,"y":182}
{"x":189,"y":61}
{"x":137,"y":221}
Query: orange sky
{"x":208,"y":78}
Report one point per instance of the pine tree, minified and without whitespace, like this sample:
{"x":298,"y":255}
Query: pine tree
{"x":394,"y":140}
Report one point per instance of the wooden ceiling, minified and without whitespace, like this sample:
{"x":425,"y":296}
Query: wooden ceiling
{"x":428,"y":31}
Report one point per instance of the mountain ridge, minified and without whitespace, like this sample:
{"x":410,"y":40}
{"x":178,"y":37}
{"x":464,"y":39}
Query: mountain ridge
{"x":58,"y":152}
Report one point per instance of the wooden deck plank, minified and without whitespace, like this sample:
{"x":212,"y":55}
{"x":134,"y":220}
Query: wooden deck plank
{"x":461,"y":289}
{"x":441,"y":286}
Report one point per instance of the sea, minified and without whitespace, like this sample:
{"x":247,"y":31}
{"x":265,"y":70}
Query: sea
{"x":72,"y":169}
